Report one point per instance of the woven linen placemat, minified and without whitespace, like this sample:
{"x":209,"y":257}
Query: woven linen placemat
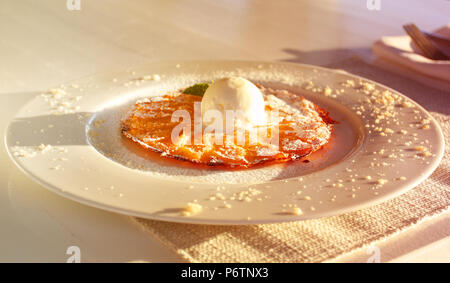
{"x":323,"y":239}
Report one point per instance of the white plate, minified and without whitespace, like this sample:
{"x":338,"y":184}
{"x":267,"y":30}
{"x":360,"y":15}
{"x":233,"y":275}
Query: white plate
{"x":70,"y":143}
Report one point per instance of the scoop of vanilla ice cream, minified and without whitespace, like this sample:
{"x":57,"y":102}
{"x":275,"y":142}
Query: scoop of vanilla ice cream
{"x":238,"y":94}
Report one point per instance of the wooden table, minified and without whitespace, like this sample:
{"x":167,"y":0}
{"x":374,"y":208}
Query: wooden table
{"x":44,"y":44}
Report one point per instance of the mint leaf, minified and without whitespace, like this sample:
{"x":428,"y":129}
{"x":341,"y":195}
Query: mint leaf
{"x":197,"y":89}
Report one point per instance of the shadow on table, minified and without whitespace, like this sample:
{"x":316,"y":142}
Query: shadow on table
{"x":350,"y":61}
{"x":324,"y":57}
